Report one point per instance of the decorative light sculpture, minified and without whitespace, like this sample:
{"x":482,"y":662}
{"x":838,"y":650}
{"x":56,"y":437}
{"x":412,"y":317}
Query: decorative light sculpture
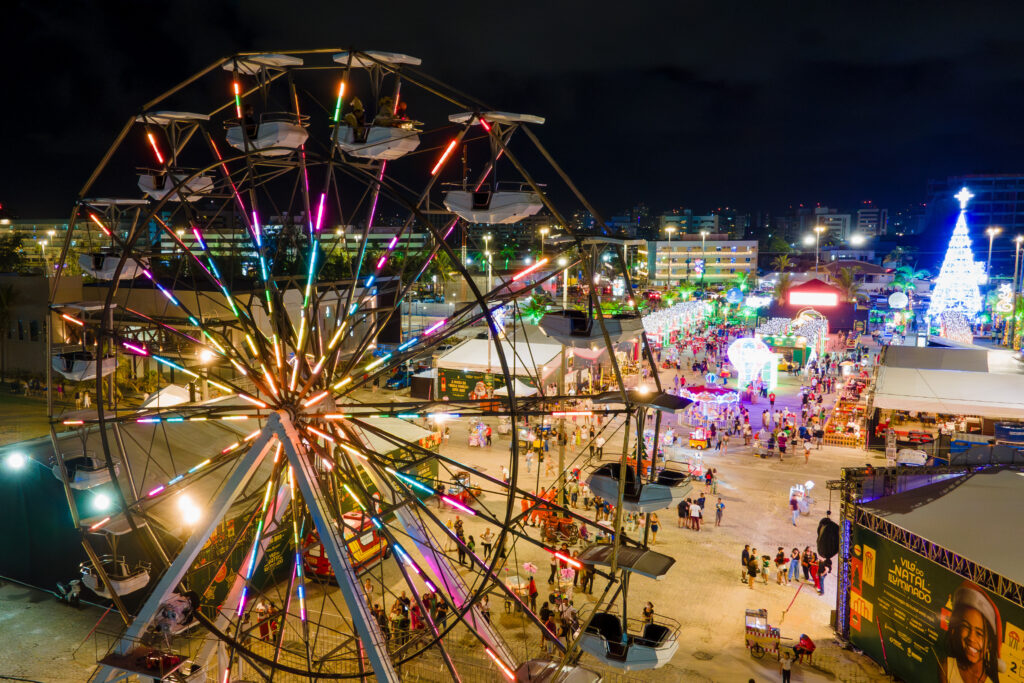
{"x":956,"y":287}
{"x":748,"y":356}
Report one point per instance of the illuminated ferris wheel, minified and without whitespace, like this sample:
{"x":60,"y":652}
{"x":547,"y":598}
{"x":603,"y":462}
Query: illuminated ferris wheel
{"x":264,"y":498}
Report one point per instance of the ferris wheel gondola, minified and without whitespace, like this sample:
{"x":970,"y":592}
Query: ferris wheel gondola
{"x":494,"y":203}
{"x":388,"y":137}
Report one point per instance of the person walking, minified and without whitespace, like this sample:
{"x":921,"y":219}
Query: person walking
{"x":780,"y":567}
{"x":655,"y":527}
{"x":487,"y":539}
{"x":719,"y":508}
{"x":794,"y":566}
{"x":786,"y":667}
{"x":795,"y":508}
{"x":752,"y":568}
{"x":554,"y":569}
{"x":531,"y":589}
{"x":485,"y":608}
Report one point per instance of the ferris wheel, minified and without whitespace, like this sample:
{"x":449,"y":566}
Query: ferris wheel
{"x":264,"y":500}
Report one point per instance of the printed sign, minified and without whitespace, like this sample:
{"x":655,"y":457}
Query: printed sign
{"x":925,"y":623}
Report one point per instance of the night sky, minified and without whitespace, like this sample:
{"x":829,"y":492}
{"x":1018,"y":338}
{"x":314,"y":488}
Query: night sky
{"x":756,"y":105}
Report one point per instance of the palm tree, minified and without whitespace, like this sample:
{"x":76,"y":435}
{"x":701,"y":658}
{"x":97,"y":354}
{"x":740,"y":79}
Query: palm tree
{"x":8,"y":300}
{"x":534,"y":309}
{"x":907,"y":277}
{"x":895,"y":256}
{"x":507,"y":253}
{"x":742,"y":280}
{"x":782,"y":263}
{"x":846,"y":280}
{"x":783,"y":286}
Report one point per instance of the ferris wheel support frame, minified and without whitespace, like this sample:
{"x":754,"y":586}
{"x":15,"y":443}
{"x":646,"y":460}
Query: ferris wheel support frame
{"x":170,"y":579}
{"x":373,"y":642}
{"x":274,"y":517}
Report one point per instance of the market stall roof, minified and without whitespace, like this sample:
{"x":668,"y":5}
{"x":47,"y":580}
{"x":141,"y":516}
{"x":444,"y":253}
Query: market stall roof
{"x":524,"y":358}
{"x":952,"y":381}
{"x":401,"y":429}
{"x":522,"y":390}
{"x":665,"y":402}
{"x":170,"y":395}
{"x":936,"y":512}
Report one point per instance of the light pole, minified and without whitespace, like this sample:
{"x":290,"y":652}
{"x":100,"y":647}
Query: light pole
{"x":543,"y":233}
{"x":703,"y":255}
{"x":487,"y":254}
{"x":818,"y":229}
{"x":565,"y":283}
{"x":669,"y":229}
{"x":1018,"y":240}
{"x":991,"y":232}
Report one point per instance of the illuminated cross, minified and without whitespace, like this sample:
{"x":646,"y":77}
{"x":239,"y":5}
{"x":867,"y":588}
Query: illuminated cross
{"x":964,"y":196}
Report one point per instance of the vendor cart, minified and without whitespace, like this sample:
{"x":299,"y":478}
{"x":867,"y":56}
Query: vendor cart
{"x":504,"y":425}
{"x":560,"y":530}
{"x":462,"y":488}
{"x":761,"y":637}
{"x":700,"y":439}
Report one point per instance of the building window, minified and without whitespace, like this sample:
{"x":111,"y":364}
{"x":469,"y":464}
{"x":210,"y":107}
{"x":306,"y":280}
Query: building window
{"x":33,"y":330}
{"x":21,"y":331}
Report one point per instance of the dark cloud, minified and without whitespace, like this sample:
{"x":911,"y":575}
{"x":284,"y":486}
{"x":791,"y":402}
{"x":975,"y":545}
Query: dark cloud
{"x":752,"y":104}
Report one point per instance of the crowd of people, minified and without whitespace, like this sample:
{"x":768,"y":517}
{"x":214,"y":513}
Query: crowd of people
{"x":787,"y":566}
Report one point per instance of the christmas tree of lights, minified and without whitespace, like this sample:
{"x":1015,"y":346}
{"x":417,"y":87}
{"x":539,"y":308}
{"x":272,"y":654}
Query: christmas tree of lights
{"x":956,"y":287}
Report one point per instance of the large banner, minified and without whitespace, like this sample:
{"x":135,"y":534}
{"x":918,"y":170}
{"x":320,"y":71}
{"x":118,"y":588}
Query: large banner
{"x":925,"y":623}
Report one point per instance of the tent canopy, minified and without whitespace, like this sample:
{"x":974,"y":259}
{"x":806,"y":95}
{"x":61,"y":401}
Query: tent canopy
{"x":524,"y":359}
{"x":953,"y":381}
{"x":170,"y":395}
{"x":953,"y":513}
{"x":522,"y":389}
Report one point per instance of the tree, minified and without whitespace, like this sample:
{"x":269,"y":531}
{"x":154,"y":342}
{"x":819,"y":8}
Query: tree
{"x":535,"y":308}
{"x":895,"y":256}
{"x":782,"y":263}
{"x":8,"y":300}
{"x":507,"y":253}
{"x":12,"y":256}
{"x":783,"y":286}
{"x":906,"y":278}
{"x":846,"y":280}
{"x":777,"y":245}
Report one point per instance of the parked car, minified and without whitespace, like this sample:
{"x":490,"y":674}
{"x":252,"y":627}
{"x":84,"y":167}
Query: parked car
{"x":400,"y":380}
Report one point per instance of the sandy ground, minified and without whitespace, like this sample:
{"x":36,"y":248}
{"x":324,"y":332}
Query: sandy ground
{"x":702,"y":591}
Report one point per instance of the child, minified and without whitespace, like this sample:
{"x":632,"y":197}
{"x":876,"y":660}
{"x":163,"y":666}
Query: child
{"x":765,"y":561}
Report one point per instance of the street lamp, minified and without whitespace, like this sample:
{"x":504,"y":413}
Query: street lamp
{"x":818,"y":229}
{"x":703,"y":255}
{"x":565,"y":282}
{"x":857,"y":240}
{"x":543,"y":233}
{"x":487,"y":253}
{"x":991,"y":232}
{"x":669,"y":229}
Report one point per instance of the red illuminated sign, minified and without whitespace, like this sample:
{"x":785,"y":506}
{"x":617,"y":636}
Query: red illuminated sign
{"x":813,"y":298}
